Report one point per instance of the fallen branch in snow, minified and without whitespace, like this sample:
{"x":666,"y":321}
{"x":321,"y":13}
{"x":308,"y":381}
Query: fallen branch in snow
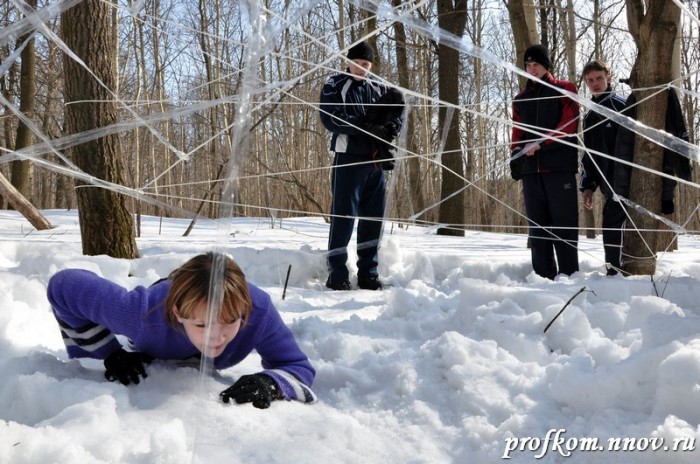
{"x":562,"y":309}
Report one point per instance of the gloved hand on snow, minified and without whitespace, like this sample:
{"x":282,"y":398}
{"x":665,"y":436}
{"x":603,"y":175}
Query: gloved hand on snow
{"x":259,"y":389}
{"x":126,"y":367}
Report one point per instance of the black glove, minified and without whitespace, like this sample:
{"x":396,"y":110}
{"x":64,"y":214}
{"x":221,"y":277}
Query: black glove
{"x":259,"y":389}
{"x":516,"y":166}
{"x":392,"y":130}
{"x":384,"y":156}
{"x":125,"y":366}
{"x":378,"y":131}
{"x":667,"y":206}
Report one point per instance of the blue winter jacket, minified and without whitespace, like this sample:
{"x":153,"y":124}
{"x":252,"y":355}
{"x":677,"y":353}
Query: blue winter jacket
{"x":344,"y":105}
{"x":91,"y":310}
{"x":599,"y":134}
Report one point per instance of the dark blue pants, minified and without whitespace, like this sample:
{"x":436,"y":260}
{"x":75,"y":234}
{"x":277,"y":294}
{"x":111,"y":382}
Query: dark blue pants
{"x":551,"y":202}
{"x":613,"y":221}
{"x":357,"y":191}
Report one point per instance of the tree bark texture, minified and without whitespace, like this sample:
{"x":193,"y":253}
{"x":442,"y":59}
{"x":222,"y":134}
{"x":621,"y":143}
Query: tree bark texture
{"x":452,"y":16}
{"x":105,"y":223}
{"x":654,"y":32}
{"x":21,"y":169}
{"x":523,"y":21}
{"x":413,"y":164}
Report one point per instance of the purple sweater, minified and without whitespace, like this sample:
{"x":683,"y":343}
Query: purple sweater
{"x":91,"y":310}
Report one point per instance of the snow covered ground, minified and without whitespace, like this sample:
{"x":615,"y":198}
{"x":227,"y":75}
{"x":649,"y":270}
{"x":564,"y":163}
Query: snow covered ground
{"x":449,"y":364}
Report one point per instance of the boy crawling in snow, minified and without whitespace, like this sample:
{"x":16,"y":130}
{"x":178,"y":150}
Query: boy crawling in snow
{"x":168,"y":320}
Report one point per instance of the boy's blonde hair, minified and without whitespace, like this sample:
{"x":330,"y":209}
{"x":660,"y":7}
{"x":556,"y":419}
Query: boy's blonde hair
{"x":190,"y":285}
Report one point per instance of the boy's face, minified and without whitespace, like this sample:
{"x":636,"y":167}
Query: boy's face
{"x":210,"y":341}
{"x":597,"y":82}
{"x":360,"y":68}
{"x":534,"y":68}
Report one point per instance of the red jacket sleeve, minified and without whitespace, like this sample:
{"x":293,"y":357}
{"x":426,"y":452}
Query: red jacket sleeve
{"x":517,"y":132}
{"x":570,"y":112}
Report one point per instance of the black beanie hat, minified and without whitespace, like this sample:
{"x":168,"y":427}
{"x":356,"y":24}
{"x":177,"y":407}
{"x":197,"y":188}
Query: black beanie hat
{"x":539,"y":54}
{"x":361,"y":51}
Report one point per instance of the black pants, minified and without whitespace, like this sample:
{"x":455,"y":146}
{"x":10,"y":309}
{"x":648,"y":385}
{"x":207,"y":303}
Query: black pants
{"x":613,"y":221}
{"x":551,"y":202}
{"x":358,"y":191}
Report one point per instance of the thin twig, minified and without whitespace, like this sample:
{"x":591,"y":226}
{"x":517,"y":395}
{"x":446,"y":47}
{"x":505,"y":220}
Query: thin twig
{"x":666,"y":284}
{"x":653,"y":283}
{"x":286,"y":281}
{"x":562,"y":309}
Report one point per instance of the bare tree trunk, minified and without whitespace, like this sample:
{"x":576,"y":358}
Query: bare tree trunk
{"x":523,"y":21}
{"x":669,"y":241}
{"x":341,"y":24}
{"x":413,"y":165}
{"x":106,"y":226}
{"x":430,"y":179}
{"x":589,"y":215}
{"x":597,"y":36}
{"x":49,"y":126}
{"x":476,"y":201}
{"x":548,"y":33}
{"x":140,"y":83}
{"x":21,"y":169}
{"x":160,"y":94}
{"x":207,"y":55}
{"x":7,"y":86}
{"x":569,"y":34}
{"x":452,"y":17}
{"x":654,"y":31}
{"x":369,"y":25}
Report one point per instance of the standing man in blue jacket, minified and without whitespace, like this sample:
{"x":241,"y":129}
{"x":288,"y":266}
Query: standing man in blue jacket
{"x":599,"y":135}
{"x":357,"y":178}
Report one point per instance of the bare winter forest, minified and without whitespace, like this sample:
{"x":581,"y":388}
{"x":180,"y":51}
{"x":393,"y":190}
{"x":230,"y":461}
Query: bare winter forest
{"x":213,"y":105}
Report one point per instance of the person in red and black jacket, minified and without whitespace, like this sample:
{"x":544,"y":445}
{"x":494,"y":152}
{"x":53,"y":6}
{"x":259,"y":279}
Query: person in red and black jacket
{"x":545,"y":157}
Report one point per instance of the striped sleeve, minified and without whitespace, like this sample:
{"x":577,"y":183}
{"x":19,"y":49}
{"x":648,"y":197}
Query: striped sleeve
{"x":281,"y":357}
{"x":91,"y":311}
{"x":89,"y":341}
{"x":292,"y":389}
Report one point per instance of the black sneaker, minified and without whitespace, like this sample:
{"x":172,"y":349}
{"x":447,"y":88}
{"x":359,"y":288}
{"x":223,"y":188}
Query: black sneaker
{"x":369,"y":283}
{"x":338,"y":284}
